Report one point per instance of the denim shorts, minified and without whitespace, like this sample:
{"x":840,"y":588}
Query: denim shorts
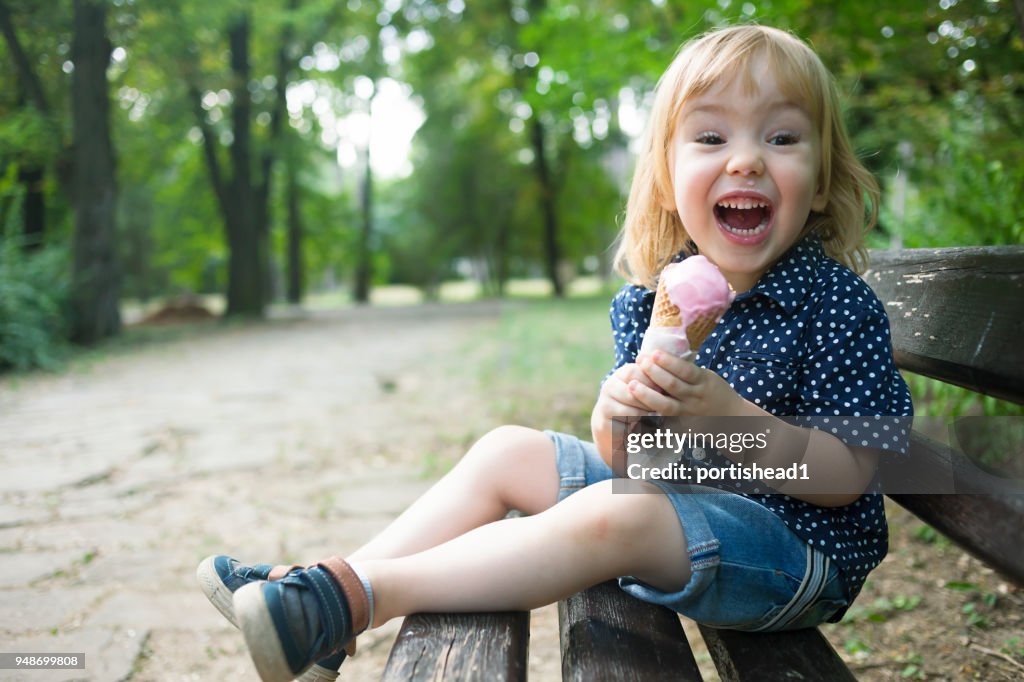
{"x":748,"y":570}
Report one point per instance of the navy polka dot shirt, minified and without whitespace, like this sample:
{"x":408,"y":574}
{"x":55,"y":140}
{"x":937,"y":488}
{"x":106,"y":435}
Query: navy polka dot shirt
{"x":810,"y":339}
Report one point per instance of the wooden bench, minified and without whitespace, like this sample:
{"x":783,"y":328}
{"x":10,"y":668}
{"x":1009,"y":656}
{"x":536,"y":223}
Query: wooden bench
{"x":957,"y":316}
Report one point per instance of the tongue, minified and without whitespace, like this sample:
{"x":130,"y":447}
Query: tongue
{"x":742,"y":218}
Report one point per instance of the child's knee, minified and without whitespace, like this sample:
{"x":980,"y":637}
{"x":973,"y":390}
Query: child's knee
{"x":506,"y":443}
{"x":619,"y":518}
{"x":516,"y":466}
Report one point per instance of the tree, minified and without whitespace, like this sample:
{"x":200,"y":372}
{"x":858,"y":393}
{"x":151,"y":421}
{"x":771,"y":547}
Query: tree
{"x":247,"y":271}
{"x":96,"y":276}
{"x":364,"y":254}
{"x":243,"y":186}
{"x":39,"y":138}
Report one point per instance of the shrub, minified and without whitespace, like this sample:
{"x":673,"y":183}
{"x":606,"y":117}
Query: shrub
{"x":33,"y":300}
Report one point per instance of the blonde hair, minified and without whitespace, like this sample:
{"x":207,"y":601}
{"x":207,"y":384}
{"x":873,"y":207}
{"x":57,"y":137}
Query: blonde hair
{"x":652,"y":235}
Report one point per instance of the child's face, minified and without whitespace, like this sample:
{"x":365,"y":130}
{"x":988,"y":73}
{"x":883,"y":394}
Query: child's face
{"x":745,"y":174}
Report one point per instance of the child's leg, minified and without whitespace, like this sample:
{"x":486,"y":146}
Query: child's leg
{"x":518,"y":564}
{"x":508,"y":564}
{"x":510,"y":468}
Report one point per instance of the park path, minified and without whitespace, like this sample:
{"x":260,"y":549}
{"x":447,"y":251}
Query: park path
{"x":280,"y":441}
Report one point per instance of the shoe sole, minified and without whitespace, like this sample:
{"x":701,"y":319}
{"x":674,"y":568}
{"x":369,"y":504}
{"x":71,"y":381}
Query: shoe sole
{"x":318,"y":674}
{"x":257,"y":626}
{"x":215,"y":590}
{"x":221,"y":597}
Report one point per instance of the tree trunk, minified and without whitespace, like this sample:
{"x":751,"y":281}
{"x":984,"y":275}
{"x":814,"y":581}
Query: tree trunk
{"x":364,"y":264}
{"x":278,"y":115}
{"x":545,"y":184}
{"x":95,"y":277}
{"x":246,"y":272}
{"x":296,"y":269}
{"x":548,"y":192}
{"x":27,"y":76}
{"x":33,"y":208}
{"x":30,"y":175}
{"x":501,"y":254}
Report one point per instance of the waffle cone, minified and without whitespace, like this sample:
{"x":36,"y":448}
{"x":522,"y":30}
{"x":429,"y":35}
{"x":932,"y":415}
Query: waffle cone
{"x":699,"y":329}
{"x":665,"y":312}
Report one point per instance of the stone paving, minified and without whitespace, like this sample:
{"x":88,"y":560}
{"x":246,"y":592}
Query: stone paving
{"x":279,"y":442}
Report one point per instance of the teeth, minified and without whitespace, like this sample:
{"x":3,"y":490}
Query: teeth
{"x":742,"y":203}
{"x":747,"y":233}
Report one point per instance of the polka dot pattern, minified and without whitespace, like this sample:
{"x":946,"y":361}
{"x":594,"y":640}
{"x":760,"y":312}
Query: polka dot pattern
{"x":810,"y":339}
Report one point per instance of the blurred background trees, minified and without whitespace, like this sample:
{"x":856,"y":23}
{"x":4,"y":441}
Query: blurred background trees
{"x":256,"y":151}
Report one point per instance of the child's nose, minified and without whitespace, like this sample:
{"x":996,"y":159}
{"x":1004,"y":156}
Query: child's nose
{"x":745,"y":160}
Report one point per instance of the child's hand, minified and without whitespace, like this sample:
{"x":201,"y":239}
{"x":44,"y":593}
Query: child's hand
{"x":681,"y":388}
{"x":616,"y":399}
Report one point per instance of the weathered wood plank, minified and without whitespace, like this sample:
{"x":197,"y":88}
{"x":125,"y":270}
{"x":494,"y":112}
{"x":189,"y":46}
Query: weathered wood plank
{"x":777,"y":656}
{"x":463,"y":647}
{"x":956,"y":314}
{"x":987,"y":527}
{"x":932,"y":468}
{"x":608,"y":635}
{"x":982,"y":515}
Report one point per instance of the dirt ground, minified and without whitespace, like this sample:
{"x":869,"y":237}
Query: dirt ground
{"x":294,"y":439}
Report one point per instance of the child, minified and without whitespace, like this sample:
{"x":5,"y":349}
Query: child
{"x":746,"y":161}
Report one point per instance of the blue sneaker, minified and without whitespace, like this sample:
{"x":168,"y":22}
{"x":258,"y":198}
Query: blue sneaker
{"x":308,"y":615}
{"x":221,"y":576}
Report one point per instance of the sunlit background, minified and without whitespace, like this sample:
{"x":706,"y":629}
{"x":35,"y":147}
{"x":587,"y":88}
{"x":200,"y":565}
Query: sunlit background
{"x":317,"y":153}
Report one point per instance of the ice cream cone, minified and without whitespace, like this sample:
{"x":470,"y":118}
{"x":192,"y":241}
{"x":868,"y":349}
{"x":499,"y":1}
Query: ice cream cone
{"x":699,"y":328}
{"x":665,"y":312}
{"x":691,"y":298}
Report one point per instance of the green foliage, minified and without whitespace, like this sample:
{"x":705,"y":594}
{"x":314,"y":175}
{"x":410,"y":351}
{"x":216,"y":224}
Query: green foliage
{"x":933,"y":398}
{"x":1013,"y":646}
{"x":537,"y":340}
{"x":415,"y":255}
{"x":881,"y":609}
{"x":33,"y":296}
{"x":30,"y":134}
{"x":933,"y":97}
{"x":928,"y":535}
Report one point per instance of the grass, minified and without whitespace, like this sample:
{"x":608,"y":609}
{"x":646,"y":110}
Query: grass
{"x":457,"y":291}
{"x":545,"y":359}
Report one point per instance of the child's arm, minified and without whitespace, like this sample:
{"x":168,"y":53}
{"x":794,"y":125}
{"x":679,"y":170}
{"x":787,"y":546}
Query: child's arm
{"x":616,"y":400}
{"x":837,"y":474}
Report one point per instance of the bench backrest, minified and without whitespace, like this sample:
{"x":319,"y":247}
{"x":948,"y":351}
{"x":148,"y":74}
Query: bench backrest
{"x":957,"y":315}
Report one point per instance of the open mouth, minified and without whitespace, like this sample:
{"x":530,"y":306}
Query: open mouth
{"x":743,"y":217}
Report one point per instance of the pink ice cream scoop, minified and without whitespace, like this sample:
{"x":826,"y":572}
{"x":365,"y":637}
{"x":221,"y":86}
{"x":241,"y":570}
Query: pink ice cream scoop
{"x":692,"y":297}
{"x":698,"y":289}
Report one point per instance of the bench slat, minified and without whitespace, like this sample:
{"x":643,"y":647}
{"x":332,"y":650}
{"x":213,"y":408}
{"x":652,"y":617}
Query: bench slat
{"x":767,"y":657}
{"x":463,"y":647}
{"x":956,"y":314}
{"x":608,"y":635}
{"x":983,"y":525}
{"x":980,"y":523}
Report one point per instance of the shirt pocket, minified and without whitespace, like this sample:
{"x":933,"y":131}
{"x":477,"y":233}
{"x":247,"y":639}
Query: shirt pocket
{"x":767,"y":380}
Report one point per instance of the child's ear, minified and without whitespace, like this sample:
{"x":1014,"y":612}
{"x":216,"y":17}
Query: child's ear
{"x":820,"y":200}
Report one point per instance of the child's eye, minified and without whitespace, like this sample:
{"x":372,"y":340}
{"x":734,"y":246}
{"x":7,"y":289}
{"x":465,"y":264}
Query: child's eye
{"x":781,"y":139}
{"x":709,"y":137}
